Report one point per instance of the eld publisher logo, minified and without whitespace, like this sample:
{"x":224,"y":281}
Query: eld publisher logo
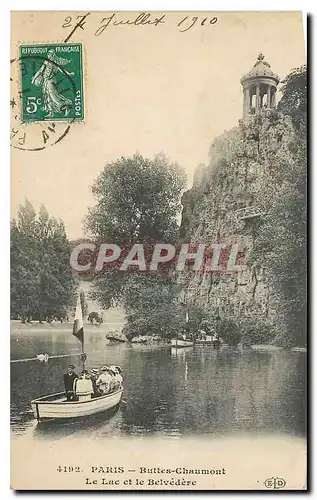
{"x":274,"y":483}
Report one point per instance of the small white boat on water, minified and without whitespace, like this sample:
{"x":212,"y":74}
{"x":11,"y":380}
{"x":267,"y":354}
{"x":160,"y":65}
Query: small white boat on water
{"x":181,"y":343}
{"x":82,"y":403}
{"x":56,"y":406}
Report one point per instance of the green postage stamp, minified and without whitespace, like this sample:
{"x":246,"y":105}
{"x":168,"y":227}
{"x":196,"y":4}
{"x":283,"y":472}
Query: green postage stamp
{"x":51,"y":77}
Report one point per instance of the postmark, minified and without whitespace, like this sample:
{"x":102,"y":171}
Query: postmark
{"x":51,"y":79}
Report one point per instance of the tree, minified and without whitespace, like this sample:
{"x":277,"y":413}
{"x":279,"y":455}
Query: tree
{"x":24,"y":275}
{"x":137,"y":201}
{"x":94,"y":316}
{"x":42,"y":286}
{"x":294,"y":99}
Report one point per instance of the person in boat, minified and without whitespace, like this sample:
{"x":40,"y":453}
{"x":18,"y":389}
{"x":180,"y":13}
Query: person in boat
{"x":69,"y":379}
{"x":112,"y":372}
{"x":202,"y":333}
{"x":117,"y":379}
{"x":104,"y":381}
{"x":205,"y":331}
{"x":215,"y":340}
{"x":83,"y":387}
{"x":94,"y":374}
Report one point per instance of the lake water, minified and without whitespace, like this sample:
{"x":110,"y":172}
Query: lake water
{"x":194,"y":391}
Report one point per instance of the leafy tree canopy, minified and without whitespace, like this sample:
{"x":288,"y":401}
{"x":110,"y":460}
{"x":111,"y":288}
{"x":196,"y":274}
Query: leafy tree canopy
{"x":42,"y":286}
{"x":137,"y":200}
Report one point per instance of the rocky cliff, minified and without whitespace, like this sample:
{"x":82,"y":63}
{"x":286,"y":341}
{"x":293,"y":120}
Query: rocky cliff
{"x":229,"y":199}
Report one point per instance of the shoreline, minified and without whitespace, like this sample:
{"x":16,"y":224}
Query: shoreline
{"x":17,"y":328}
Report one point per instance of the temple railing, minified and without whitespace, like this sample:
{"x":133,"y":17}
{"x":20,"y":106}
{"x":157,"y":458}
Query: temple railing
{"x":246,"y":213}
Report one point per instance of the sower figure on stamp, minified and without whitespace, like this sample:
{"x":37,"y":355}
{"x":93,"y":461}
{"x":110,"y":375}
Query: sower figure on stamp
{"x":69,"y":379}
{"x":45,"y":77}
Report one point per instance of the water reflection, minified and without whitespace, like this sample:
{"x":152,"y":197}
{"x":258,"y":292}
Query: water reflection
{"x":97,"y":424}
{"x":173,"y":392}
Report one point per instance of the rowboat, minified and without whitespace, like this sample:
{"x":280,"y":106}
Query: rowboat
{"x":181,"y":343}
{"x":56,"y":406}
{"x":180,"y":352}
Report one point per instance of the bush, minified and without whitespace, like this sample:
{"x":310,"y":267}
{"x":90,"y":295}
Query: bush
{"x":256,"y":331}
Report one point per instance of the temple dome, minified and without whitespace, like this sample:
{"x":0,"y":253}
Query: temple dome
{"x":260,"y":69}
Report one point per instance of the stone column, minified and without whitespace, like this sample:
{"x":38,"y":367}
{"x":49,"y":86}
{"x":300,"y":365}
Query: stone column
{"x":257,"y":101}
{"x":246,"y":101}
{"x":269,"y":103}
{"x":274,"y":98}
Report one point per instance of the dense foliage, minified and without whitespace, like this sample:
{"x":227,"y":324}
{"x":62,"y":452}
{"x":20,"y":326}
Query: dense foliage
{"x":283,"y":230}
{"x":42,"y":286}
{"x":153,"y":308}
{"x":137,"y":201}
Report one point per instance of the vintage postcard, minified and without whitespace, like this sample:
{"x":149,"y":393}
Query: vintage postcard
{"x":158,"y":251}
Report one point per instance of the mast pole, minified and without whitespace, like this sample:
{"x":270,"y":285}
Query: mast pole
{"x":83,"y":356}
{"x":83,"y":352}
{"x":78,"y":329}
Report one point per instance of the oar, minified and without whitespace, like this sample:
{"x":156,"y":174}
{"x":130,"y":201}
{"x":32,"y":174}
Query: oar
{"x":50,"y":357}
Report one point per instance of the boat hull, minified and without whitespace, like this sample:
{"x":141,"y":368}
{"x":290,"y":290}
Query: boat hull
{"x":181,"y":343}
{"x":56,"y":406}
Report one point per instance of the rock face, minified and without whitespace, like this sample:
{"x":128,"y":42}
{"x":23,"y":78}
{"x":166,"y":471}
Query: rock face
{"x":228,"y":199}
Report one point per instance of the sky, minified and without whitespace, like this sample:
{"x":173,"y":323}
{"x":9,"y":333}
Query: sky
{"x":148,"y":89}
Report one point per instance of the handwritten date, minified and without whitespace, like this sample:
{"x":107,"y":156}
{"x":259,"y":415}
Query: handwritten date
{"x":141,"y":20}
{"x":187,"y":23}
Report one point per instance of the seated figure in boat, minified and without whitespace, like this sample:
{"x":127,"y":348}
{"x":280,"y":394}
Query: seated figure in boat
{"x":83,"y":387}
{"x":215,"y":340}
{"x":117,"y":379}
{"x":94,"y":375}
{"x":69,"y":379}
{"x":207,"y":329}
{"x":202,"y":334}
{"x":104,"y":381}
